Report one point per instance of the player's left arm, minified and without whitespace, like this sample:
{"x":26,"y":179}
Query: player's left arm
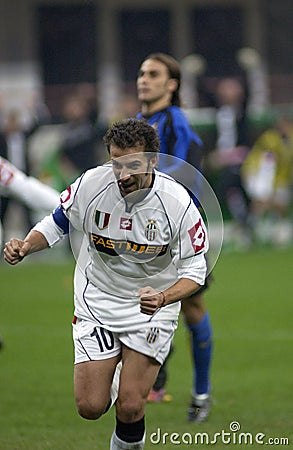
{"x":188,"y":249}
{"x":151,"y":300}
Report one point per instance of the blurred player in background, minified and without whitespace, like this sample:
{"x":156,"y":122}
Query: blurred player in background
{"x":232,"y":147}
{"x":267,"y":174}
{"x":78,"y":147}
{"x":15,"y":134}
{"x":30,"y":191}
{"x":158,"y":87}
{"x":144,"y":250}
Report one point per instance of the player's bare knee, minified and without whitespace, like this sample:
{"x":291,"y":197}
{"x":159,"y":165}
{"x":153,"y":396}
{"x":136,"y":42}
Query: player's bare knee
{"x":130,"y":409}
{"x":90,"y":411}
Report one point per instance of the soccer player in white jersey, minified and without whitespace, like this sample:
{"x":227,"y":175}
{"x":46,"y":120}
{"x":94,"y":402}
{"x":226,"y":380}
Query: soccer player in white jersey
{"x":143,"y":251}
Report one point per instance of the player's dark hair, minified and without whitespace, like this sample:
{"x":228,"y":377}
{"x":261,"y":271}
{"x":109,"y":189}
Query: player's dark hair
{"x":129,"y":133}
{"x":173,"y":70}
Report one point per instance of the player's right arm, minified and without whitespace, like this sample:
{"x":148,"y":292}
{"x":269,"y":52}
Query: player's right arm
{"x":46,"y":233}
{"x":49,"y":231}
{"x":16,"y":249}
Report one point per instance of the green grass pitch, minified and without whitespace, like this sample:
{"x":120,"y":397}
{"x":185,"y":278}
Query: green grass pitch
{"x":250,"y":304}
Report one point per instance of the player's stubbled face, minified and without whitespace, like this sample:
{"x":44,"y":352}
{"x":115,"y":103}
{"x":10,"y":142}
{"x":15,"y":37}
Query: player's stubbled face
{"x":132,"y":169}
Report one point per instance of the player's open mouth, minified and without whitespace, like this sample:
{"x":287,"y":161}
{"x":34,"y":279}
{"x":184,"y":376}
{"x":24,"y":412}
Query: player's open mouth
{"x":126,"y":187}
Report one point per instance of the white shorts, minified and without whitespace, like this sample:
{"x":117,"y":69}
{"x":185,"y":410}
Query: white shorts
{"x":93,"y":343}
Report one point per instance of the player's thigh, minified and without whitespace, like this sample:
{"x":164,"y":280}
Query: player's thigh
{"x":97,"y":352}
{"x":93,"y":380}
{"x":138,"y":374}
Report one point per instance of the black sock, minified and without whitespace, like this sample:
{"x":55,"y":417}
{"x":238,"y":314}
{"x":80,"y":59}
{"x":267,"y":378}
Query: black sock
{"x":130,"y":432}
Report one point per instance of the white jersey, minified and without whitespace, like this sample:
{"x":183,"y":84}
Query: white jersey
{"x":153,"y":242}
{"x":31,"y":191}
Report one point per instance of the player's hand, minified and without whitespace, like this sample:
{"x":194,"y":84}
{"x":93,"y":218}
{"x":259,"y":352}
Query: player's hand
{"x":15,"y":250}
{"x":150,"y":300}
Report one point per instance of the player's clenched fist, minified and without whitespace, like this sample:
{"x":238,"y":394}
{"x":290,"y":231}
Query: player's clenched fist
{"x":15,"y":250}
{"x":150,"y":300}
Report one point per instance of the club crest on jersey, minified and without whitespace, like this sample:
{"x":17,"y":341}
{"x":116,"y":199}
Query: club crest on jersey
{"x":197,"y":236}
{"x":102,"y":219}
{"x":151,"y":230}
{"x":152,"y":335}
{"x":125,"y":224}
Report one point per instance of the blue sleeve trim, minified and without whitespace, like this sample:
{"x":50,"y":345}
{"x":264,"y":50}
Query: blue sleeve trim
{"x":61,"y":220}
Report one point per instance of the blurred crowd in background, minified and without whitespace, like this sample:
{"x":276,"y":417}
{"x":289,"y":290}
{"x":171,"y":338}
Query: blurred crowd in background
{"x":250,"y":168}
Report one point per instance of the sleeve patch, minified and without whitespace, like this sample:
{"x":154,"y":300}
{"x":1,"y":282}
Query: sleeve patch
{"x":197,"y":236}
{"x":65,"y":196}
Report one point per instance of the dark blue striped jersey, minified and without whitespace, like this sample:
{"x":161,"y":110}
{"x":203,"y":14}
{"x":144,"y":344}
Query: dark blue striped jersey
{"x":177,"y":138}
